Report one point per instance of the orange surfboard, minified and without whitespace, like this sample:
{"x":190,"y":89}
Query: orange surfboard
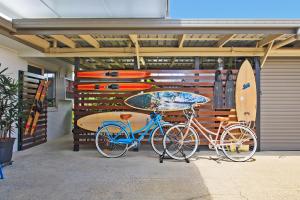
{"x":123,"y":74}
{"x":114,"y":86}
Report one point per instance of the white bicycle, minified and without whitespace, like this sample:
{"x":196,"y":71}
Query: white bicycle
{"x":237,"y":140}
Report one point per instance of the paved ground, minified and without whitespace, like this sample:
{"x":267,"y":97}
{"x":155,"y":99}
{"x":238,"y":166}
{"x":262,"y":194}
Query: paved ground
{"x":53,"y":171}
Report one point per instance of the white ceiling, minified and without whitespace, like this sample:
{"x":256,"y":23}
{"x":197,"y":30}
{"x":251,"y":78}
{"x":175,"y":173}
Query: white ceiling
{"x":83,"y":8}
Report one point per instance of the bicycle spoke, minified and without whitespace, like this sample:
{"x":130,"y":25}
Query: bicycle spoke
{"x":239,"y":148}
{"x":107,"y":141}
{"x":181,"y":142}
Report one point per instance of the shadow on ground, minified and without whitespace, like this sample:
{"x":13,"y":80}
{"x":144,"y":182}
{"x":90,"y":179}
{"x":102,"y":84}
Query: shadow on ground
{"x":54,"y":171}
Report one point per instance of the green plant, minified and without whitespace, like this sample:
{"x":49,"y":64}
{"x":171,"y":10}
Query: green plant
{"x":8,"y":105}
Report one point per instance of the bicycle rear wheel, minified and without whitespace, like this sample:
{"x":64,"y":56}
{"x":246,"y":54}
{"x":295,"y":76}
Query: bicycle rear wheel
{"x":238,"y":143}
{"x":158,"y":136}
{"x":107,"y":141}
{"x":181,"y":142}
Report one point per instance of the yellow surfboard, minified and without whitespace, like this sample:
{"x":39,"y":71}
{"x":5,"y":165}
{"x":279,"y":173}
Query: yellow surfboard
{"x":245,"y":94}
{"x":92,"y":122}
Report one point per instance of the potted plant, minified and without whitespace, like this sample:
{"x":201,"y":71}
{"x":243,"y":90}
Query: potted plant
{"x":8,"y":115}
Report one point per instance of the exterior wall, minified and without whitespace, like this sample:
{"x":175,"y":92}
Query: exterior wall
{"x":9,"y":58}
{"x":280,"y":105}
{"x":59,"y":118}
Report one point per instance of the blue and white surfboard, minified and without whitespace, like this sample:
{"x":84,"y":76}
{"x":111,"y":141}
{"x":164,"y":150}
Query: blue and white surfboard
{"x":165,"y":100}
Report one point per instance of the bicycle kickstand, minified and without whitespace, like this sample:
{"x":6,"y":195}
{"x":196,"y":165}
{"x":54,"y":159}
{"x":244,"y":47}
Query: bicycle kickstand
{"x":162,"y":156}
{"x":185,"y":158}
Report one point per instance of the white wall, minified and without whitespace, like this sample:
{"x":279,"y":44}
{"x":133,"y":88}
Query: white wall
{"x":10,"y":59}
{"x":59,"y":118}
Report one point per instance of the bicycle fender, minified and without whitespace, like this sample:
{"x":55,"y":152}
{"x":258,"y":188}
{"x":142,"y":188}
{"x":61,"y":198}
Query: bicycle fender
{"x":162,"y":124}
{"x":228,"y":127}
{"x":119,"y":123}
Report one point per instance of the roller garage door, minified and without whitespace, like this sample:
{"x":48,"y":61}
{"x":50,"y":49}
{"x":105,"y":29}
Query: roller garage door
{"x":280,"y":105}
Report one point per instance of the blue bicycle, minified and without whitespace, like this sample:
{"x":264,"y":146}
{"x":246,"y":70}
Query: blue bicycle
{"x":114,"y":138}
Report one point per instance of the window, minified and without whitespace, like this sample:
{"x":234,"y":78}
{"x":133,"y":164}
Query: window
{"x":51,"y":93}
{"x":34,"y":70}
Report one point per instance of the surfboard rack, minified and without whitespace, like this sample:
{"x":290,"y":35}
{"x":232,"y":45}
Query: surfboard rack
{"x":162,"y":157}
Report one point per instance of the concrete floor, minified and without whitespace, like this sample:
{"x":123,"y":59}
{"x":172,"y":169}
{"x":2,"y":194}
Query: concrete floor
{"x":53,"y":171}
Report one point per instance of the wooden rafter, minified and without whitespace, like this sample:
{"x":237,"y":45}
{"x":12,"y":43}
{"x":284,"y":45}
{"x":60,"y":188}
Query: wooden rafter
{"x":285,"y":42}
{"x":134,"y":39}
{"x":270,"y":38}
{"x":224,"y":40}
{"x":142,"y":61}
{"x":173,"y":39}
{"x":117,"y":62}
{"x":100,"y":61}
{"x":171,"y":52}
{"x":181,"y":40}
{"x":35,"y":40}
{"x":173,"y":62}
{"x":65,"y":40}
{"x":89,"y":39}
{"x":268,"y":50}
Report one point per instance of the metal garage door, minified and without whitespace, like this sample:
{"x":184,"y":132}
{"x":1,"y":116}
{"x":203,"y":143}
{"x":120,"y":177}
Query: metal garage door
{"x":280,"y":105}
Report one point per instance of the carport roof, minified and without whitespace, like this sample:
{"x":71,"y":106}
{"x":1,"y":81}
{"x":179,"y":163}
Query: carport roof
{"x":160,"y":38}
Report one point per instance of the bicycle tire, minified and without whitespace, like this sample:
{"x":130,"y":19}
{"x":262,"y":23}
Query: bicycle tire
{"x":157,"y":138}
{"x":180,"y":152}
{"x":102,"y":139}
{"x":235,"y":151}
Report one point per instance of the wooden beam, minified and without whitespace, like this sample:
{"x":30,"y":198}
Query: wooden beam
{"x":105,"y":64}
{"x":118,"y":63}
{"x":168,"y":52}
{"x":173,"y":62}
{"x":181,"y":40}
{"x":89,"y":39}
{"x":65,"y":40}
{"x":175,"y":39}
{"x":134,"y":39}
{"x":7,"y":25}
{"x":270,"y":38}
{"x":142,"y":61}
{"x":285,"y":42}
{"x":224,"y":40}
{"x":35,"y":40}
{"x":264,"y":58}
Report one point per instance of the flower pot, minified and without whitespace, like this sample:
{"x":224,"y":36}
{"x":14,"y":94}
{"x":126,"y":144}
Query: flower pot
{"x":6,"y":150}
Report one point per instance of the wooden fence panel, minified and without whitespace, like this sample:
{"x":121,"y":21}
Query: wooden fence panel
{"x":196,"y":81}
{"x":28,"y":85}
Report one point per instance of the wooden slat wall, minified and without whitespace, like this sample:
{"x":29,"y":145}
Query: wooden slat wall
{"x":28,"y":85}
{"x":197,"y":81}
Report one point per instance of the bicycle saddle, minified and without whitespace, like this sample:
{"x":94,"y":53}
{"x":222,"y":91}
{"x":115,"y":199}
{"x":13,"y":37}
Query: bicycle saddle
{"x":125,"y":116}
{"x":222,"y":119}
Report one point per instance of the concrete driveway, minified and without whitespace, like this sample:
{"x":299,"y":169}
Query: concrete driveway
{"x":53,"y":171}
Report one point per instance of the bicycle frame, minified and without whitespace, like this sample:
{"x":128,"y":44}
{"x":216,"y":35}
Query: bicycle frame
{"x":204,"y":131}
{"x":193,"y":122}
{"x":155,"y":121}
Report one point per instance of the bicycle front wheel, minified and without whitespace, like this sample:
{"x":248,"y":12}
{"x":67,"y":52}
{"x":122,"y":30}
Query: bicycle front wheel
{"x":181,"y":142}
{"x":109,"y":141}
{"x":238,"y":143}
{"x":158,"y":136}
